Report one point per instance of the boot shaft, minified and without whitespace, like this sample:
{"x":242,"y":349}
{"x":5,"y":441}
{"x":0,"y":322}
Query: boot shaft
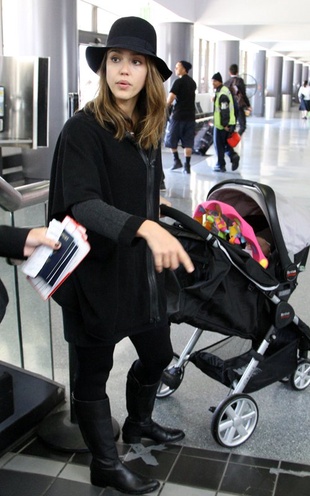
{"x":140,"y":398}
{"x":95,"y":422}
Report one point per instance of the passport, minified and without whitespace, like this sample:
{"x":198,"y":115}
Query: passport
{"x":58,"y":259}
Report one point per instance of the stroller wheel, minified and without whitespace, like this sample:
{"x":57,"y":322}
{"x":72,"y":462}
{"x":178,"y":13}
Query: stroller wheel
{"x":171,"y":378}
{"x":234,"y":420}
{"x":300,"y":379}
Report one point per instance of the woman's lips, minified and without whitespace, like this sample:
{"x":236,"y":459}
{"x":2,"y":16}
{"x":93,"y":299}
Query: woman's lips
{"x":123,"y":84}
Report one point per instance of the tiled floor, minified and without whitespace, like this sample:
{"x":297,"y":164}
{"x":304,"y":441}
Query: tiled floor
{"x":275,"y":461}
{"x":34,"y":470}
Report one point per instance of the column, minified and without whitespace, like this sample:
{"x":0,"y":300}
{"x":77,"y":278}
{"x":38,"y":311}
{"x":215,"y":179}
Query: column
{"x":297,"y":79}
{"x":45,"y":28}
{"x":305,"y":73}
{"x":175,"y":41}
{"x":259,"y":73}
{"x":287,"y":84}
{"x":227,"y":53}
{"x":274,"y":78}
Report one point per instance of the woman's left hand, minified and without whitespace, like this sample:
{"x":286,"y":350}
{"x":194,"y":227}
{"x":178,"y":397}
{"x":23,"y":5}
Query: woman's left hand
{"x":168,"y":253}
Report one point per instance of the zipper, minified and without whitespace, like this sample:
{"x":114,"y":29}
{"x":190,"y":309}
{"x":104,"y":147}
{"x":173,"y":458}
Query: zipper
{"x":149,"y":161}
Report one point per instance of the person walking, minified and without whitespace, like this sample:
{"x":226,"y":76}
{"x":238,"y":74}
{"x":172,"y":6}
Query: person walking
{"x":224,"y":124}
{"x":106,"y":173}
{"x":304,"y":99}
{"x":237,"y":88}
{"x":181,"y":124}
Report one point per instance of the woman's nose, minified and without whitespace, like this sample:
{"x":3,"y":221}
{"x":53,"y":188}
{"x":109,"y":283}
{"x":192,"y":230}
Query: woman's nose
{"x":125,"y":67}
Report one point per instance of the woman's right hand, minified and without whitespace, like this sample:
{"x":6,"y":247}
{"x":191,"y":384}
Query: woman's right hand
{"x":167,"y":251}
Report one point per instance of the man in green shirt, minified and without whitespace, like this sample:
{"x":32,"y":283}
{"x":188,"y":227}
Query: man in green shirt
{"x":224,"y":124}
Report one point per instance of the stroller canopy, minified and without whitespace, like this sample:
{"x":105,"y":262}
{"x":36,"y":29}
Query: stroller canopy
{"x":250,"y":198}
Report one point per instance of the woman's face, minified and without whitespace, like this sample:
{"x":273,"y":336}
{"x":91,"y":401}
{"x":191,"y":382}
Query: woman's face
{"x":126,"y":74}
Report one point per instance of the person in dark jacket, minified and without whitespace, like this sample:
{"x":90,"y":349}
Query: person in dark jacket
{"x":106,"y":173}
{"x":238,"y":90}
{"x":19,"y":243}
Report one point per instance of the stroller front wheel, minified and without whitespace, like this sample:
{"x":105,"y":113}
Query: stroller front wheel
{"x":300,"y":379}
{"x":171,"y":378}
{"x":234,"y":420}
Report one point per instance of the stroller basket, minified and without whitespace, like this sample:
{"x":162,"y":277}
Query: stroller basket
{"x":273,"y":366}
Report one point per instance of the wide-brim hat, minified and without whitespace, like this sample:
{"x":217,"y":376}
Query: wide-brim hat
{"x":131,"y":33}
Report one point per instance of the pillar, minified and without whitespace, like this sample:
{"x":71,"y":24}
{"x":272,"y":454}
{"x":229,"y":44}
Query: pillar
{"x":287,"y":83}
{"x":45,"y":28}
{"x":259,"y":73}
{"x":297,"y":79}
{"x":287,"y":77}
{"x":175,"y":41}
{"x":305,"y":73}
{"x":226,"y":53}
{"x":274,"y":79}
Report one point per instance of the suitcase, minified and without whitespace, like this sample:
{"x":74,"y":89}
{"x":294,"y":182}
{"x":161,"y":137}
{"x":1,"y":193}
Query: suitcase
{"x":203,"y":139}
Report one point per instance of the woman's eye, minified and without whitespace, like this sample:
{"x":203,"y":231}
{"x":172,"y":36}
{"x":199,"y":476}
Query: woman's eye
{"x":114,"y":58}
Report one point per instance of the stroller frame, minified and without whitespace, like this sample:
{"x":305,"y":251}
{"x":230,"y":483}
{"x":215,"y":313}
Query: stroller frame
{"x":235,"y":418}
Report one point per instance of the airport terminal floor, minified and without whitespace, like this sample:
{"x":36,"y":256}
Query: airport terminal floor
{"x":275,"y":460}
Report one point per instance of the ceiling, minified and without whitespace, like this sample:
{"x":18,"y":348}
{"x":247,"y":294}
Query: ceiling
{"x":276,"y":25}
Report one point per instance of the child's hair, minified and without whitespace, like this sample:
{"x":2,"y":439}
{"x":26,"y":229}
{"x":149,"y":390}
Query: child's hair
{"x":151,"y":106}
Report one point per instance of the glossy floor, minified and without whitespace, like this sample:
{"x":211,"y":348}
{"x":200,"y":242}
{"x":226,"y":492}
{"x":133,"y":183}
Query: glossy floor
{"x":275,"y":461}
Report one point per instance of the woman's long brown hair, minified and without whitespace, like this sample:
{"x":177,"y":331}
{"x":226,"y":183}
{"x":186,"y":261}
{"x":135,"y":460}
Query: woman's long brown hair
{"x":151,"y":108}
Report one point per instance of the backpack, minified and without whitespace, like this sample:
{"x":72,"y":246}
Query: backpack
{"x":233,"y":88}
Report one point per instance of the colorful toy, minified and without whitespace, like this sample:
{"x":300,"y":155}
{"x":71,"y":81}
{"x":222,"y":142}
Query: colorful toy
{"x":210,"y":215}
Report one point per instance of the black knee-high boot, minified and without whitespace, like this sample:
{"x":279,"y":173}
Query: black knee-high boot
{"x":94,"y":418}
{"x":139,"y":424}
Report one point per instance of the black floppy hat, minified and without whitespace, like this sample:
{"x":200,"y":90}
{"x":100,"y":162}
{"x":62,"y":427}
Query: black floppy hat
{"x":131,"y":33}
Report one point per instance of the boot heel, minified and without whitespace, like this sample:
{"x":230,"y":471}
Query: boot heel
{"x":121,"y":478}
{"x":131,"y":439}
{"x":98,"y":481}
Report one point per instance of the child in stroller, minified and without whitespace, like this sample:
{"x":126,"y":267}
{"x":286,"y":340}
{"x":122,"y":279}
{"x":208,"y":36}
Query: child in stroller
{"x":231,"y":294}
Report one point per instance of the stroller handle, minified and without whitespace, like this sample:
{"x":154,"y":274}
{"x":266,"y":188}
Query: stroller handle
{"x":186,"y":221}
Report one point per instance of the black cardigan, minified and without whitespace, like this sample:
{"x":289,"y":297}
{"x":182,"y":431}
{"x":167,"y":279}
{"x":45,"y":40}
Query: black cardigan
{"x":115,"y":288}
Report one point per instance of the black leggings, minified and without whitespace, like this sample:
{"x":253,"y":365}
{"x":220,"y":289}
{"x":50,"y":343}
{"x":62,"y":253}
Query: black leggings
{"x":94,"y":364}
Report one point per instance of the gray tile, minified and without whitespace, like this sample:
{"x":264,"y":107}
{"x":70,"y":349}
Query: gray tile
{"x":35,"y":465}
{"x":76,"y":473}
{"x":24,"y":484}
{"x":175,"y":489}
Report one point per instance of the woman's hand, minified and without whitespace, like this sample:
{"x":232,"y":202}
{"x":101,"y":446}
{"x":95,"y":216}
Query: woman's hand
{"x":37,"y":237}
{"x":167,"y":251}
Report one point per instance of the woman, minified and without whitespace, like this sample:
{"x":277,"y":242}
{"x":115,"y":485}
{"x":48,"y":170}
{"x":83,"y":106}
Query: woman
{"x":106,"y":173}
{"x":304,"y":99}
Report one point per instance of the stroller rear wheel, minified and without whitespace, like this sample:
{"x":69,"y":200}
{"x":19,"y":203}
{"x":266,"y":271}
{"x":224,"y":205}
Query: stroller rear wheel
{"x":300,"y":379}
{"x":171,"y":378}
{"x":234,"y":420}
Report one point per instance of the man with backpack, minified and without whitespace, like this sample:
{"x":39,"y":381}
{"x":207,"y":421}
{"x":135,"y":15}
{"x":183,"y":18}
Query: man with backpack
{"x":237,"y":88}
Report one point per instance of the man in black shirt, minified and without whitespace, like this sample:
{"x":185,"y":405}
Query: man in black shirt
{"x":181,"y":125}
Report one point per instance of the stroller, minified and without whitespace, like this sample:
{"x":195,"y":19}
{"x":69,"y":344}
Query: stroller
{"x":232,"y":294}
